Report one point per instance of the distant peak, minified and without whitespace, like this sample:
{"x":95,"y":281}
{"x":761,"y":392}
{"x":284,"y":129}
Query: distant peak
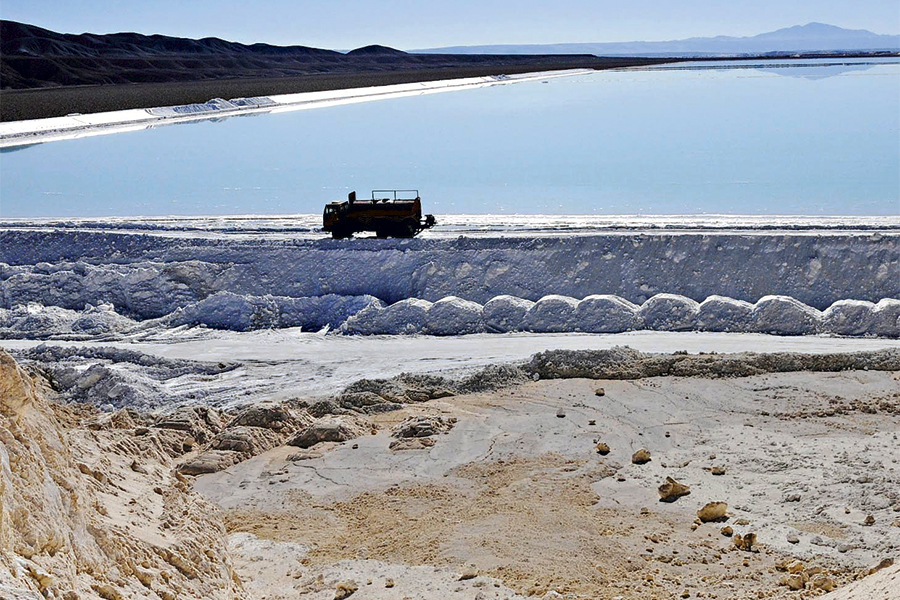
{"x":376,"y":50}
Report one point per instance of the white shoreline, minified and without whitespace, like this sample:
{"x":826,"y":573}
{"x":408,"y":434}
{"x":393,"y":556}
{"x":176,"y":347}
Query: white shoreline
{"x":35,"y":131}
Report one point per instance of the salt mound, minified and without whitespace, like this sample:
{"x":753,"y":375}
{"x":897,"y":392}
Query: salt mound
{"x":365,"y":322}
{"x":225,"y":310}
{"x":886,"y":318}
{"x":236,"y":312}
{"x":601,"y":313}
{"x":718,"y":313}
{"x":405,"y":317}
{"x":35,"y":320}
{"x":668,"y":312}
{"x":314,"y":313}
{"x":783,"y":315}
{"x":505,"y":313}
{"x":454,"y":316}
{"x":849,"y":317}
{"x":551,"y":313}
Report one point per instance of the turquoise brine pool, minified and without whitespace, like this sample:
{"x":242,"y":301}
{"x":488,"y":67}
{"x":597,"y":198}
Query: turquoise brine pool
{"x":768,"y":137}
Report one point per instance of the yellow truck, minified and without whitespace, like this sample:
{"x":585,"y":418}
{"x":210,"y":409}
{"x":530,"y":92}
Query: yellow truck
{"x":389,"y":213}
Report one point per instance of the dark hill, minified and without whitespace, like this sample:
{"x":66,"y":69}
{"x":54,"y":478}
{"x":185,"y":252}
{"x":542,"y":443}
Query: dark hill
{"x":44,"y":73}
{"x":376,"y":50}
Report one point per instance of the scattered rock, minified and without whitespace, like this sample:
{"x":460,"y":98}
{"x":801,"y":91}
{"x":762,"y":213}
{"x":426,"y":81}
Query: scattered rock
{"x":869,"y":521}
{"x":345,"y":589}
{"x":272,"y":416}
{"x":592,"y":422}
{"x":713,"y":511}
{"x":727,"y":531}
{"x":603,"y":448}
{"x":671,"y":490}
{"x":791,"y":498}
{"x":561,"y":414}
{"x":305,"y":455}
{"x":793,"y":539}
{"x":795,"y":582}
{"x":329,"y":429}
{"x":423,"y":426}
{"x":411,"y":444}
{"x":389,"y":583}
{"x":210,"y":461}
{"x":199,"y":422}
{"x":717,"y":470}
{"x":844,"y":548}
{"x":469,"y":572}
{"x":822,"y":582}
{"x":599,"y":392}
{"x":795,"y":567}
{"x":745,"y":542}
{"x":247,"y":440}
{"x":641,"y":457}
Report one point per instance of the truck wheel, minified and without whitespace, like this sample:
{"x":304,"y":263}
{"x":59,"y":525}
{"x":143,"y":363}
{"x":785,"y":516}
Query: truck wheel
{"x":409,"y":229}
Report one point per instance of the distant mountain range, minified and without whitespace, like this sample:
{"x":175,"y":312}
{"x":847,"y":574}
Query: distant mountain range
{"x":33,"y":57}
{"x":813,"y":37}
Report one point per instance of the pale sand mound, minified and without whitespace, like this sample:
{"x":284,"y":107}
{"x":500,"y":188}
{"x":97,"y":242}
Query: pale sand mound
{"x":883,"y":585}
{"x":90,"y":514}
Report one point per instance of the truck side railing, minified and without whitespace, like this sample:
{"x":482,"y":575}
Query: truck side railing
{"x":394,"y":194}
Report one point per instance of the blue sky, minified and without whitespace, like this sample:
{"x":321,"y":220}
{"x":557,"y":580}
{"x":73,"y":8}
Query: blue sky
{"x":407,"y":24}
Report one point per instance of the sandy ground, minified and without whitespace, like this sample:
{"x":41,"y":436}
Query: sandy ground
{"x":518,"y":493}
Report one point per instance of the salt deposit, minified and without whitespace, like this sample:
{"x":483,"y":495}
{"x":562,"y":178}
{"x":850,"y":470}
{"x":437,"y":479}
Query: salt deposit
{"x":598,"y":283}
{"x":668,"y":312}
{"x":551,"y":314}
{"x":849,"y":317}
{"x":454,"y":316}
{"x":603,"y":313}
{"x":718,"y":313}
{"x":505,"y":313}
{"x":783,"y":315}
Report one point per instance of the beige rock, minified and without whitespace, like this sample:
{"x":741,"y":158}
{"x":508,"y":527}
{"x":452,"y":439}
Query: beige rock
{"x":727,"y":531}
{"x":884,"y":564}
{"x":869,"y":521}
{"x":796,"y":567}
{"x":210,"y":461}
{"x":277,"y":417}
{"x":603,"y":448}
{"x":469,"y":571}
{"x":712,"y":511}
{"x":411,"y":444}
{"x":671,"y":490}
{"x":599,"y":392}
{"x":199,"y":422}
{"x":641,"y":457}
{"x":248,"y":440}
{"x":329,"y":429}
{"x":822,"y":582}
{"x":345,"y":589}
{"x":717,"y":470}
{"x":795,"y":582}
{"x":419,"y":426}
{"x":745,"y":542}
